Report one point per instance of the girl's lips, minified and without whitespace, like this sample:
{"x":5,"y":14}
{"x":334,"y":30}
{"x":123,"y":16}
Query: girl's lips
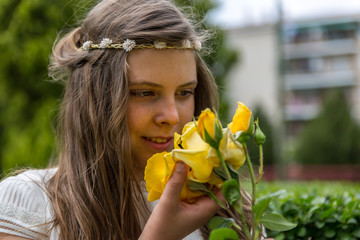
{"x":159,"y":143}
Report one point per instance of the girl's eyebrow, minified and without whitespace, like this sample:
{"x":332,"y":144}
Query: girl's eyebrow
{"x":151,"y":84}
{"x":194,"y":82}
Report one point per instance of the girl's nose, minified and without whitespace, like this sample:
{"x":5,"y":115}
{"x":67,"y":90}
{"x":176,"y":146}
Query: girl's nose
{"x":168,"y":114}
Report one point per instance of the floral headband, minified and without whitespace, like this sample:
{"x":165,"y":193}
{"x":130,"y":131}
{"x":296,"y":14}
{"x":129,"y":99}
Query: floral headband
{"x":129,"y":44}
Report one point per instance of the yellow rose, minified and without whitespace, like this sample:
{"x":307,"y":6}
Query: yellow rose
{"x":241,"y":119}
{"x":157,"y":173}
{"x":206,"y":121}
{"x":193,"y":152}
{"x":231,"y":152}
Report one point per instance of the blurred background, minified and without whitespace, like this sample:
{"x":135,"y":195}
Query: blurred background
{"x":298,"y":69}
{"x":295,"y":63}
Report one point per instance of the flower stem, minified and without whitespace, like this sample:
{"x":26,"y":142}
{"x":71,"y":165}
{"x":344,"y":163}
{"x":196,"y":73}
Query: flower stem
{"x":261,"y":161}
{"x":237,"y":223}
{"x":238,"y":208}
{"x":253,"y":185}
{"x":213,"y":197}
{"x":223,"y":163}
{"x":226,"y":208}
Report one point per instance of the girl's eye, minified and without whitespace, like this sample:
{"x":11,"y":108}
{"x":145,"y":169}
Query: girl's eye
{"x":142,"y":93}
{"x":185,"y":93}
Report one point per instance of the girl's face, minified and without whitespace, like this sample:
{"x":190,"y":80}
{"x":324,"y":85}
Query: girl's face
{"x":162,"y":85}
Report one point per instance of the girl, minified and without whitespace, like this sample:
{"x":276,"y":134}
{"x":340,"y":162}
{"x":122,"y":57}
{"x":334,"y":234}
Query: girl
{"x":133,"y":77}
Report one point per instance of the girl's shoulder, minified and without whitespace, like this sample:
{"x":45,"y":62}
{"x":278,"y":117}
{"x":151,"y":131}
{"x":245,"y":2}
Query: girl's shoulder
{"x":24,"y":205}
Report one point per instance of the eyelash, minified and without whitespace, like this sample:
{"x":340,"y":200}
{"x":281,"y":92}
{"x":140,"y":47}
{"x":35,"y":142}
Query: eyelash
{"x":148,"y":93}
{"x":141,"y":93}
{"x":184,"y":93}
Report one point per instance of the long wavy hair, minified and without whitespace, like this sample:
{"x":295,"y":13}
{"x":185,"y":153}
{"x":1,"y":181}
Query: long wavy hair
{"x":95,"y":192}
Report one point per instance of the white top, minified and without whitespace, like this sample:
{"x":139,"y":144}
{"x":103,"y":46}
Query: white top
{"x":25,"y":207}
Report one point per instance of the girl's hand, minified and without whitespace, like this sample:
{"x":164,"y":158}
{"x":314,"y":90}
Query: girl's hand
{"x":173,"y":219}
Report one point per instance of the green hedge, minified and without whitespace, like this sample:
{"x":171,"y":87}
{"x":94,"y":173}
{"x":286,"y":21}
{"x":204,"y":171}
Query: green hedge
{"x":322,"y":210}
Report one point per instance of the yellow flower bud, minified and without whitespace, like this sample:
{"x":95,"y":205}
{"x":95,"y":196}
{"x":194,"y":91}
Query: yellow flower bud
{"x":209,"y":128}
{"x":241,"y":119}
{"x":206,"y":121}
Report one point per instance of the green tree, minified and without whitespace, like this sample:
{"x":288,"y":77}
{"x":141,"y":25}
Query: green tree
{"x":333,"y":137}
{"x":27,"y":100}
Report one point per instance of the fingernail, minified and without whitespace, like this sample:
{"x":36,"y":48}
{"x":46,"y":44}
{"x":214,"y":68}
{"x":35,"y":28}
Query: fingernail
{"x":180,"y":167}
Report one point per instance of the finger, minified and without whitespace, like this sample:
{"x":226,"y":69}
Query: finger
{"x":174,"y":185}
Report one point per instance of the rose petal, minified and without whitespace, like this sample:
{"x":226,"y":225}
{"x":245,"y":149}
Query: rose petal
{"x":155,"y":172}
{"x":196,"y":160}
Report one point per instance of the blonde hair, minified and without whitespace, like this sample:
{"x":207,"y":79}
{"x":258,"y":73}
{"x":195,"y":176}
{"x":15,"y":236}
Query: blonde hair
{"x":95,"y":193}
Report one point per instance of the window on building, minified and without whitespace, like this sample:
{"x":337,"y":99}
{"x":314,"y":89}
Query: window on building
{"x":339,"y":31}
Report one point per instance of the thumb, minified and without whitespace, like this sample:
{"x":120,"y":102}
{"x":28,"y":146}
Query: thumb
{"x":174,"y":185}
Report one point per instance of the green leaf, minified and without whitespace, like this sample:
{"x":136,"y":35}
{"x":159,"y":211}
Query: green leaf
{"x":319,"y":224}
{"x":281,"y":236}
{"x":260,"y":207}
{"x":273,"y":195}
{"x":220,"y":172}
{"x":251,"y":128}
{"x":330,"y":233}
{"x":219,"y":222}
{"x":352,"y":221}
{"x":309,"y":214}
{"x":356,"y":233}
{"x":234,"y":174}
{"x":231,"y":191}
{"x":327,"y":213}
{"x":238,"y":134}
{"x":301,"y":232}
{"x":223,"y":234}
{"x":210,"y":140}
{"x":218,"y":130}
{"x":276,"y":222}
{"x":243,"y":137}
{"x":196,"y":186}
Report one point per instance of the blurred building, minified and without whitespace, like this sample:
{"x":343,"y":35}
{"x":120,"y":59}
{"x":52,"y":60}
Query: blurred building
{"x":317,"y":55}
{"x":254,"y":78}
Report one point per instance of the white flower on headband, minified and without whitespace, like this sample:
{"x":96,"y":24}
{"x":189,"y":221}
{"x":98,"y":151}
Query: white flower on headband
{"x":87,"y":45}
{"x":105,"y":43}
{"x":159,"y":44}
{"x":197,"y":45}
{"x":128,"y":45}
{"x":186,"y":43}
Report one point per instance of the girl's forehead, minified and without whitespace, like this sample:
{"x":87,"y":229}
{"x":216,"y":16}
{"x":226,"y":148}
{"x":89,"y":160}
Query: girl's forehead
{"x":166,"y":64}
